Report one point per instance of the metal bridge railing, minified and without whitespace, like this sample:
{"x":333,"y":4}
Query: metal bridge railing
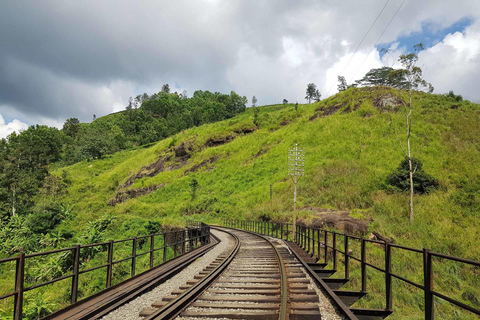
{"x":324,"y":243}
{"x":169,"y":245}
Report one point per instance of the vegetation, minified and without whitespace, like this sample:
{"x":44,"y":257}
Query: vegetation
{"x":351,"y":153}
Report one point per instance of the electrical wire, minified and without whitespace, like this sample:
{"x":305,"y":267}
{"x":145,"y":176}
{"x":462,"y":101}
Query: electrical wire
{"x":396,"y":12}
{"x":369,"y":29}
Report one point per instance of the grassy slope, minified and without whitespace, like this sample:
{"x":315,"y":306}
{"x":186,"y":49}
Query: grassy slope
{"x":348,"y":157}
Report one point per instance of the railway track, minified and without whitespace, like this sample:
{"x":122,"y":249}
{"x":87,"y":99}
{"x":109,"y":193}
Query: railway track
{"x":258,"y":278}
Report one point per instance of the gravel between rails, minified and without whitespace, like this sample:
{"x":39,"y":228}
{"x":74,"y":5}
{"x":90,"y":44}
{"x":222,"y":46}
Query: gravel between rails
{"x":131,"y":310}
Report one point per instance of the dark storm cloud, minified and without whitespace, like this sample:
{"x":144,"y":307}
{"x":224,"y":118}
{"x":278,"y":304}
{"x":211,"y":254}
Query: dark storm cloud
{"x":61,"y":59}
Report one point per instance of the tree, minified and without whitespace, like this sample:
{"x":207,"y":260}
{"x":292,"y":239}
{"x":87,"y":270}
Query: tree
{"x":193,"y":188}
{"x":94,"y":117}
{"x":254,"y":101}
{"x":166,"y":88}
{"x":342,"y":84}
{"x":296,"y":106}
{"x":411,"y":76}
{"x":317,"y":96}
{"x":256,"y":121}
{"x":71,"y":127}
{"x":285,"y":101}
{"x":312,"y":93}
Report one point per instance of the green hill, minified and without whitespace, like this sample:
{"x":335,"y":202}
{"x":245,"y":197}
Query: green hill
{"x":351,"y":148}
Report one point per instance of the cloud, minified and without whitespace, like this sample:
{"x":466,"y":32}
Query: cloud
{"x":63,"y":59}
{"x":454,"y":63}
{"x":13,"y":126}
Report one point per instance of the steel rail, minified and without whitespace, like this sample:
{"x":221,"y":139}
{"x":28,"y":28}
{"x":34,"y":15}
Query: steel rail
{"x":177,"y":305}
{"x":102,"y":308}
{"x":283,"y":275}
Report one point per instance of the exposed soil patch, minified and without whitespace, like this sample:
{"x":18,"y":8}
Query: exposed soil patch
{"x":284,"y":122}
{"x":123,"y":196}
{"x":320,"y":112}
{"x":147,"y":171}
{"x":339,"y":220}
{"x":261,"y":151}
{"x":214,"y":142}
{"x":202,"y":164}
{"x":245,"y":130}
{"x":388,"y":102}
{"x":454,"y":106}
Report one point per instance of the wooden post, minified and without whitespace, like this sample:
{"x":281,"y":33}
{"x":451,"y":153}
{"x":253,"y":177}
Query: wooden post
{"x":76,"y":267}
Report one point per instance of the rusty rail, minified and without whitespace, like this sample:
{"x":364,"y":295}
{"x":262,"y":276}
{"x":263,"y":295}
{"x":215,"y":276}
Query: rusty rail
{"x":198,"y":235}
{"x":322,"y":242}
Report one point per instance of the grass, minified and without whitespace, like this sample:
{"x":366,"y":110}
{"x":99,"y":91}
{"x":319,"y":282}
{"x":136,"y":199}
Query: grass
{"x":348,"y":156}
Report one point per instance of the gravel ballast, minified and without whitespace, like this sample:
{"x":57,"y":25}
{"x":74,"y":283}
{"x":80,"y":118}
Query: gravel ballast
{"x":131,"y":310}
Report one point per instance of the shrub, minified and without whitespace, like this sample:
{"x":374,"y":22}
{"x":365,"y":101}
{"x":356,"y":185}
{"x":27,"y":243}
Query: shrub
{"x":422,"y":181}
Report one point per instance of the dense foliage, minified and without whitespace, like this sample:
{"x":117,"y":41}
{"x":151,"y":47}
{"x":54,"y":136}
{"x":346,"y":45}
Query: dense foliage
{"x":422,"y":181}
{"x":24,"y":157}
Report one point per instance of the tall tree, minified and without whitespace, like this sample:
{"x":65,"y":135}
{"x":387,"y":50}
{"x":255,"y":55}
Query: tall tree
{"x":166,"y":88}
{"x":254,"y":101}
{"x":342,"y":84}
{"x":71,"y":127}
{"x":413,"y":80}
{"x":312,"y":93}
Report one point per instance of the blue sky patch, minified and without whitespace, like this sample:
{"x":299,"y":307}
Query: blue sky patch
{"x":429,"y":36}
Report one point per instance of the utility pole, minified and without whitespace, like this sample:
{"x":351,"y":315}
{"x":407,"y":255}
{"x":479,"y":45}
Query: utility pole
{"x":296,"y":159}
{"x":271,"y":197}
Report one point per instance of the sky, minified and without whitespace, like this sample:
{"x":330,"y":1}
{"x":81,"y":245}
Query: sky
{"x":63,"y":59}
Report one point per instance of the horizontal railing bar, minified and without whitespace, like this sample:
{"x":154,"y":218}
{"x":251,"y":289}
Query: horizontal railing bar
{"x":92,"y":269}
{"x":142,"y":254}
{"x":94,"y":245}
{"x":32,"y":255}
{"x":122,"y":260}
{"x":8,"y":259}
{"x":406,"y":248}
{"x":5,"y":296}
{"x":375,"y":241}
{"x":441,"y":255}
{"x":47,"y":283}
{"x":457,"y":303}
{"x":419,"y":286}
{"x":375,"y":267}
{"x":123,"y":240}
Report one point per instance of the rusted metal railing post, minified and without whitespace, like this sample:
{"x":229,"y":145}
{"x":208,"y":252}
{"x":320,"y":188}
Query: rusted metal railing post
{"x":318,"y":244}
{"x":164,"y":247}
{"x":347,"y":259}
{"x":325,"y":247}
{"x":19,"y":285}
{"x":334,"y":245}
{"x":308,"y":239}
{"x":76,"y":267}
{"x":388,"y":276}
{"x":134,"y":256}
{"x":428,"y":284}
{"x":109,"y":264}
{"x":363,"y":265}
{"x":152,"y":248}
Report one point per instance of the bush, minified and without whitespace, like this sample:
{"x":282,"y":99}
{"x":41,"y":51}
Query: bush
{"x":45,"y":220}
{"x":422,"y":181}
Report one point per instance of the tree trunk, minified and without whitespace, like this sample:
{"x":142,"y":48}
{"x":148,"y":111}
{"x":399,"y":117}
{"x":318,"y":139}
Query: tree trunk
{"x":409,"y":124}
{"x":13,"y":201}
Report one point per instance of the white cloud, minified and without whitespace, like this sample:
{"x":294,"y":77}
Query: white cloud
{"x":454,"y":63}
{"x":8,"y":128}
